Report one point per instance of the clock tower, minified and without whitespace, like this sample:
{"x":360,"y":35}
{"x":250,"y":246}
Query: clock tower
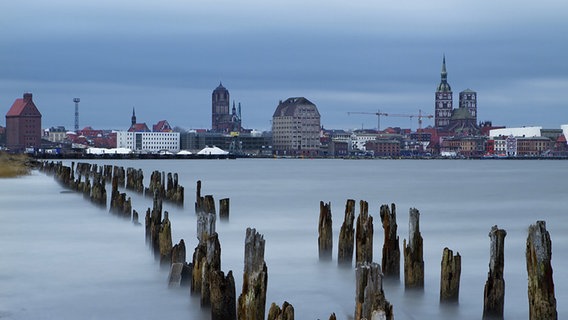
{"x":443,"y":108}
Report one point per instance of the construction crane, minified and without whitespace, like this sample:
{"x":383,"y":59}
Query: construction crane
{"x":379,"y":114}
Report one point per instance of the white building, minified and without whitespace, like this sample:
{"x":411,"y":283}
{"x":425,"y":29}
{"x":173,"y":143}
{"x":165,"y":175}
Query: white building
{"x":148,"y":142}
{"x":516,"y":132}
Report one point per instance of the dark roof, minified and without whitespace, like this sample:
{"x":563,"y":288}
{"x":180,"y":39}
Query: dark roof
{"x":23,"y":104}
{"x":288,"y":107}
{"x":220,"y":88}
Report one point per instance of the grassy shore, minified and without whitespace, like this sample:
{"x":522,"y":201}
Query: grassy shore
{"x":12,"y":165}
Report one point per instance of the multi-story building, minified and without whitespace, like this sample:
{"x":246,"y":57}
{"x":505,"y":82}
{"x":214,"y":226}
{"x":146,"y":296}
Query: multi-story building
{"x":148,"y":142}
{"x":296,"y":128}
{"x":56,"y":134}
{"x":468,"y":101}
{"x":23,"y":125}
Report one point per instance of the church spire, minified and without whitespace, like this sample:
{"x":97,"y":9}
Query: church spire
{"x":444,"y":86}
{"x":133,"y":119}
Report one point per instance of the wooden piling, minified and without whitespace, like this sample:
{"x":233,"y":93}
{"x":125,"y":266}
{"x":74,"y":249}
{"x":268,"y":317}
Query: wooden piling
{"x":346,"y":236}
{"x":391,"y":247}
{"x":364,"y":235}
{"x":252,"y":300}
{"x":276,"y":313}
{"x":224,"y":209}
{"x":370,"y":301}
{"x":413,"y":253}
{"x":494,"y":291}
{"x":325,"y":233}
{"x":450,"y":276}
{"x":223,"y":296}
{"x":542,"y":301}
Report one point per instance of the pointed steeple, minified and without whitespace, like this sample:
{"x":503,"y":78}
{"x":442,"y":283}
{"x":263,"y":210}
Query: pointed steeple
{"x":444,"y":86}
{"x":133,"y":119}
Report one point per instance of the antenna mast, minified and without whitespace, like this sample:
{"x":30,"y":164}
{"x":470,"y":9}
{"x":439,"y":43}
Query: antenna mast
{"x":76,"y":100}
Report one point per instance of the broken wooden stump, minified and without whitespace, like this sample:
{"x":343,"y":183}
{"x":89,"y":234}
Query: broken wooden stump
{"x":174,"y":279}
{"x":198,"y":198}
{"x":174,"y":191}
{"x":211,"y":263}
{"x":178,"y":252}
{"x":391,"y":248}
{"x":494,"y":292}
{"x":332,"y":316}
{"x":135,"y":180}
{"x":450,"y":276}
{"x":370,"y":301}
{"x":209,"y":204}
{"x":252,"y":300}
{"x":224,"y":209}
{"x":325,"y":233}
{"x":286,"y":313}
{"x":165,"y":241}
{"x":413,"y":253}
{"x":223,"y":296}
{"x":364,"y":235}
{"x":542,"y":301}
{"x":346,"y":236}
{"x":120,"y":174}
{"x":98,"y":191}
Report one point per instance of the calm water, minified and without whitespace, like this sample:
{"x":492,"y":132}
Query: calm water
{"x":63,"y":258}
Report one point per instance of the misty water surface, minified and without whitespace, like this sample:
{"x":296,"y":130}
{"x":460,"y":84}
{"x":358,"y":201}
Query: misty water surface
{"x":63,"y":258}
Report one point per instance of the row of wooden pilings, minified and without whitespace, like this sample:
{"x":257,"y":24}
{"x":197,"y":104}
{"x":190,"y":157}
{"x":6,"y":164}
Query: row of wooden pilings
{"x":203,"y":274}
{"x":370,"y":298}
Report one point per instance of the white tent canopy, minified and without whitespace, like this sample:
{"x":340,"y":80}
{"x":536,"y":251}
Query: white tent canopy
{"x":184,"y":152}
{"x":108,"y":151}
{"x":212,"y":151}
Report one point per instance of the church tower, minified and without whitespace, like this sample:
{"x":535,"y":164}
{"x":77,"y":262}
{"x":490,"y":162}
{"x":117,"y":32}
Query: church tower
{"x":443,"y":105}
{"x":220,"y":108}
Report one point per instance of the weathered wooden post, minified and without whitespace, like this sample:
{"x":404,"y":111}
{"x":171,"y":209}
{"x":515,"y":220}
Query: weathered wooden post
{"x":332,"y":316}
{"x":198,"y":198}
{"x":209,"y":204}
{"x":205,"y":229}
{"x":450,"y":276}
{"x":413,"y":254}
{"x":223,"y":296}
{"x":286,"y":313}
{"x":325,"y":233}
{"x":494,"y":292}
{"x":346,"y":236}
{"x":542,"y":302}
{"x":178,"y":252}
{"x":391,"y":248}
{"x":370,"y":301}
{"x":210,"y":264}
{"x":224,"y":209}
{"x":364,"y":235}
{"x":252,"y":300}
{"x":165,"y":241}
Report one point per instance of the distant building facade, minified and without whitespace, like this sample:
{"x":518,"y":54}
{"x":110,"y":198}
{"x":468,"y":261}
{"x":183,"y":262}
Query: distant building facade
{"x":221,"y":119}
{"x":296,"y":128}
{"x":23,"y":125}
{"x":148,"y":142}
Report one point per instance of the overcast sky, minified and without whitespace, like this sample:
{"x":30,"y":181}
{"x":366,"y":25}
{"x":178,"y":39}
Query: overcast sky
{"x":164,"y":58}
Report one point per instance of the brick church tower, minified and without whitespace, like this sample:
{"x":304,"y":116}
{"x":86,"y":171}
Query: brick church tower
{"x":443,"y":107}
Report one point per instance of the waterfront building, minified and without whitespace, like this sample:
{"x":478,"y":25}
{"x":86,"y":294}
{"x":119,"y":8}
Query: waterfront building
{"x":148,"y":142}
{"x":253,"y":143}
{"x":23,"y":125}
{"x":221,"y":119}
{"x":296,"y":128}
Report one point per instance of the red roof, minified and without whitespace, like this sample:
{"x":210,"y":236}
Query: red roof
{"x":22,"y":104}
{"x":139,"y":127}
{"x":561,"y":138}
{"x":162,"y":126}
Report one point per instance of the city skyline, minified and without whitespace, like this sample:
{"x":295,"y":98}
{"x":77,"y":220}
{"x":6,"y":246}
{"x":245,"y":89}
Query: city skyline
{"x":166,"y":59}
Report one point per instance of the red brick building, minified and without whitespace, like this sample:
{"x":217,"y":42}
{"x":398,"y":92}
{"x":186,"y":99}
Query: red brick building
{"x":23,"y":125}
